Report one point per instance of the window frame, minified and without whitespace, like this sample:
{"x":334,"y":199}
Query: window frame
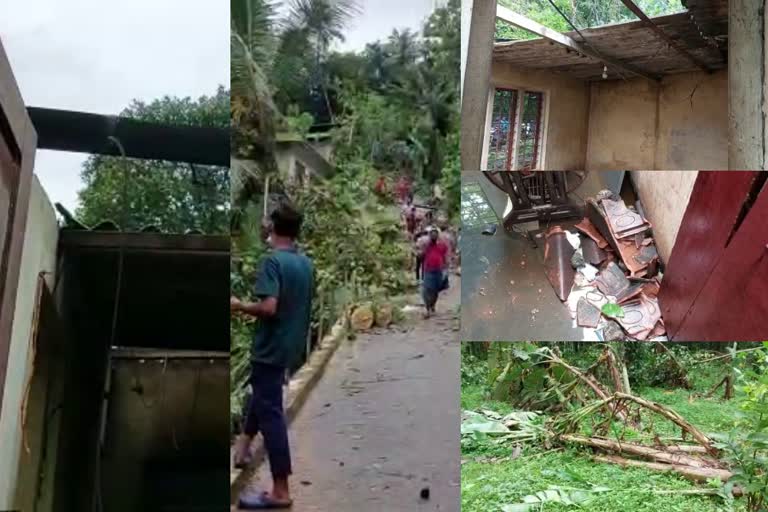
{"x":520,"y":91}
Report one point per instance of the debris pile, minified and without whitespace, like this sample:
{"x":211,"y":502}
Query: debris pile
{"x":594,"y":408}
{"x":607,"y":270}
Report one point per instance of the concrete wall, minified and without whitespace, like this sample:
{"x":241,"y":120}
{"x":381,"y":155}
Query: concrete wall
{"x":39,"y":255}
{"x":567,"y":108}
{"x":168,"y":425}
{"x":680,"y":124}
{"x":747,"y":87}
{"x":664,"y":196}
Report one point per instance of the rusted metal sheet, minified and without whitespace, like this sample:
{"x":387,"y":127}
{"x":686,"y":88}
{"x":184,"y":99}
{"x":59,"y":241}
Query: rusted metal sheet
{"x":713,"y":209}
{"x":733,"y":304}
{"x":557,"y":261}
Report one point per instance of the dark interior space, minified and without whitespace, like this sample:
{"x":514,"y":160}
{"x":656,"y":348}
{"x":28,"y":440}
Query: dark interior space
{"x":159,"y":385}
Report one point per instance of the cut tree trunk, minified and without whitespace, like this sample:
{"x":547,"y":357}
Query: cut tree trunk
{"x":639,"y":450}
{"x":691,"y":473}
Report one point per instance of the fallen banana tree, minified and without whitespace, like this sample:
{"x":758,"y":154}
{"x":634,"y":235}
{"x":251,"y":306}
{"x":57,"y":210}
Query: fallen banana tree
{"x":598,"y":400}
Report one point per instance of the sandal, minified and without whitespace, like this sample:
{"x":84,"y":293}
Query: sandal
{"x":262,"y":501}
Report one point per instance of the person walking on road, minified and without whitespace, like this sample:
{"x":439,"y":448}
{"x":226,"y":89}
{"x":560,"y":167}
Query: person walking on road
{"x":420,"y":242}
{"x":284,"y":290}
{"x":435,"y":257}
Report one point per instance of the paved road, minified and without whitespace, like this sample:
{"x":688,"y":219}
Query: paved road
{"x":383,"y":423}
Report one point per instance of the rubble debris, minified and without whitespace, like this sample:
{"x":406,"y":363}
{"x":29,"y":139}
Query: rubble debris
{"x":589,"y":229}
{"x":640,"y":317}
{"x":611,"y":280}
{"x":593,"y":254}
{"x":577,"y":260}
{"x":557,"y":261}
{"x":623,"y":222}
{"x":624,"y":248}
{"x":611,"y":331}
{"x":587,"y":315}
{"x":589,"y":272}
{"x":646,"y":255}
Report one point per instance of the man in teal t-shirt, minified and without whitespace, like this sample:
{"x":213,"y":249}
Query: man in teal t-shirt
{"x":284,"y":289}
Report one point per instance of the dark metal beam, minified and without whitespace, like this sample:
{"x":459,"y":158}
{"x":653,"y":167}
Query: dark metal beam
{"x":673,"y":43}
{"x":145,"y":242}
{"x":83,"y":132}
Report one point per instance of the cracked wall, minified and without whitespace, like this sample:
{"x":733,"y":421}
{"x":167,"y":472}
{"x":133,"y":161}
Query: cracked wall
{"x":680,"y":124}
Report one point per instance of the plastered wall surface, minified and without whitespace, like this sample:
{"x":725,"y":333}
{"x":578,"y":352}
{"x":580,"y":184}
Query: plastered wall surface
{"x":39,"y":255}
{"x":568,"y":107}
{"x":664,"y":196}
{"x":693,"y":122}
{"x":680,"y":124}
{"x":746,"y":62}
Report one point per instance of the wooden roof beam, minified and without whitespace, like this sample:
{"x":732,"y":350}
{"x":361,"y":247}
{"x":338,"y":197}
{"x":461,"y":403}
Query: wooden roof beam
{"x":666,"y":37}
{"x":513,"y":18}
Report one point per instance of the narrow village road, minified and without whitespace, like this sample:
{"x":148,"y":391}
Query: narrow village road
{"x":382,"y":424}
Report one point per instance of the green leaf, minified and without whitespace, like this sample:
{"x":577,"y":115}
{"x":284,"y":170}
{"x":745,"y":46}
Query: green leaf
{"x":613,"y":310}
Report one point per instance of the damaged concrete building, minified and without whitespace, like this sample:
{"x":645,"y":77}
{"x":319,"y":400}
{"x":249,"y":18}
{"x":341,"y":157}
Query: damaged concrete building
{"x":114,"y":346}
{"x":681,"y":91}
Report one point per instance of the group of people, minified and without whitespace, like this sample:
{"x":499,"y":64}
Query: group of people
{"x":433,"y":248}
{"x":283,"y":291}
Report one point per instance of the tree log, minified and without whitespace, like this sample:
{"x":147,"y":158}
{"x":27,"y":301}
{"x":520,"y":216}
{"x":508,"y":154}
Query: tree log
{"x":691,"y":473}
{"x":639,"y":450}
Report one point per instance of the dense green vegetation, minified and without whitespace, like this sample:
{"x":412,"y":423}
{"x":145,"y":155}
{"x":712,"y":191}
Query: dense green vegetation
{"x":174,"y":197}
{"x":583,"y":14}
{"x":499,"y":473}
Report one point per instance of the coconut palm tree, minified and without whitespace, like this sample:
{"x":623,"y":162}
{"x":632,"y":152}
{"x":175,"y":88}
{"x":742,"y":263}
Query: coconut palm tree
{"x":322,"y":21}
{"x":254,"y":115}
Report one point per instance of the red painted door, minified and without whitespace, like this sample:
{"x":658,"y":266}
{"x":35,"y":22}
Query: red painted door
{"x":716,"y":283}
{"x":18,"y":143}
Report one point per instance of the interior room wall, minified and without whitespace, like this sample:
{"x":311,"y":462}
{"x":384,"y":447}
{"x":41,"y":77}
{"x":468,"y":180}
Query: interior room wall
{"x":565,"y":138}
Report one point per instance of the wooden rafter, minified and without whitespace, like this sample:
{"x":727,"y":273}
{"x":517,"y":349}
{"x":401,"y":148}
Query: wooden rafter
{"x":666,"y":37}
{"x":540,"y":30}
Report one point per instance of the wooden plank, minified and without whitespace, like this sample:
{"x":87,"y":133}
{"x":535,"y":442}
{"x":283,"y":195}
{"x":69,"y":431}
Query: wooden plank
{"x":733,"y":306}
{"x":518,"y":20}
{"x":713,"y":208}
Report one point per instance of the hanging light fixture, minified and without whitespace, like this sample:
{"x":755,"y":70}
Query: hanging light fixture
{"x":605,"y":72}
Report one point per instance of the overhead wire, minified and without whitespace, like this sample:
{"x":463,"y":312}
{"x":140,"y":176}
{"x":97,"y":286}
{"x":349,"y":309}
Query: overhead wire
{"x":584,"y":40}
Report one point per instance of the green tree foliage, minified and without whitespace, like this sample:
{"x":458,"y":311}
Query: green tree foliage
{"x":400,"y":108}
{"x":175,"y":197}
{"x":582,"y":13}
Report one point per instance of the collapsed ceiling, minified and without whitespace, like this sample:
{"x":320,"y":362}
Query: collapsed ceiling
{"x":702,"y":30}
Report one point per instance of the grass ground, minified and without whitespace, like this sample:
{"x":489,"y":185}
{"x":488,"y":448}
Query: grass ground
{"x":490,"y":478}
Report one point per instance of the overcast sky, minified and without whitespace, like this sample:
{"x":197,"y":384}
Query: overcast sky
{"x":98,"y":55}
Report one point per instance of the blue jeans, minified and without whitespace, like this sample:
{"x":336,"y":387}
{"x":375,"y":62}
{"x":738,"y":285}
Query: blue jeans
{"x":265,"y":414}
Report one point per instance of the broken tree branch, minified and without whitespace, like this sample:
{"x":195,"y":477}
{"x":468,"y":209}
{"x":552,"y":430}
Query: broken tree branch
{"x":691,"y":473}
{"x":639,"y":450}
{"x":671,"y":416}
